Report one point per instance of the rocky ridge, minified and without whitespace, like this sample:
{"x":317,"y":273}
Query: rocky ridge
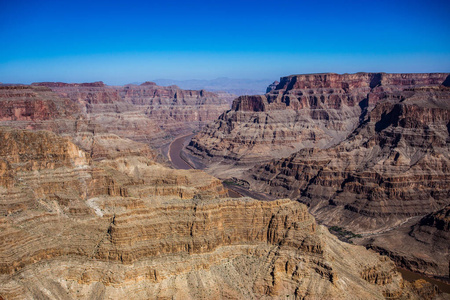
{"x":145,"y":113}
{"x":36,"y":108}
{"x":400,"y":153}
{"x":393,"y":168}
{"x":302,"y":111}
{"x":75,"y":227}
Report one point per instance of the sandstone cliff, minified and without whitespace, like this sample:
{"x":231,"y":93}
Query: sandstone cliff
{"x":395,"y":166}
{"x":36,"y":108}
{"x":146,"y":113}
{"x":302,"y":111}
{"x":73,"y":227}
{"x":177,"y":111}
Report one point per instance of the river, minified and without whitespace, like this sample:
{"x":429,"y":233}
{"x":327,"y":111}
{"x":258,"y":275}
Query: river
{"x":236,"y":191}
{"x":175,"y":152}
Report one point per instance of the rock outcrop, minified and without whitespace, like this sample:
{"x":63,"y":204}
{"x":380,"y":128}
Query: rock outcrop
{"x":272,"y":86}
{"x":427,"y":243}
{"x":395,"y":165}
{"x":302,"y":111}
{"x":36,"y":107}
{"x":144,"y":113}
{"x":177,"y":111}
{"x":73,"y":227}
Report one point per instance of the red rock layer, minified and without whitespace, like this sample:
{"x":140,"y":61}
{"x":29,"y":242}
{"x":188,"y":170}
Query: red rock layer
{"x":395,"y":165}
{"x":317,"y":110}
{"x":36,"y":108}
{"x":71,"y":227}
{"x":147,"y":113}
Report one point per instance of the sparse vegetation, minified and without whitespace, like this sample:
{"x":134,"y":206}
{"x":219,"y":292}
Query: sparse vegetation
{"x":343,"y":234}
{"x":230,"y":182}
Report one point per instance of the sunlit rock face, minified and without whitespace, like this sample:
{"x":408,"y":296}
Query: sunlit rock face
{"x":37,"y":108}
{"x":301,"y":111}
{"x":395,"y":166}
{"x":126,"y":227}
{"x":145,"y":113}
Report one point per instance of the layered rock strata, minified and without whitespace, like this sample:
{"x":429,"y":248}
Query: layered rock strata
{"x":302,"y":111}
{"x":36,"y":107}
{"x":145,"y":113}
{"x":73,"y":227}
{"x":428,"y":244}
{"x":394,"y":166}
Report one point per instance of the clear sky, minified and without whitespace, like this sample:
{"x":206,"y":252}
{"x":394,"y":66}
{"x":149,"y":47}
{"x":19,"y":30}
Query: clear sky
{"x":127,"y":41}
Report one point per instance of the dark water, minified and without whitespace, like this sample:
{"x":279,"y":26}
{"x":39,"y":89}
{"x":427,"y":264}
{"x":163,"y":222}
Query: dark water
{"x":411,"y":276}
{"x":175,"y":151}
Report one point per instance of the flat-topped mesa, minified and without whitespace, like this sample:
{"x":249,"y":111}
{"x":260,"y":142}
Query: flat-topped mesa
{"x":250,"y":103}
{"x":86,"y":95}
{"x":358,"y":80}
{"x":331,"y":90}
{"x":395,"y":165}
{"x":151,"y":83}
{"x":314,"y":110}
{"x":128,"y":227}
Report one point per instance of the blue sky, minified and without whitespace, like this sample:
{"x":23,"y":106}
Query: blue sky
{"x":127,"y":41}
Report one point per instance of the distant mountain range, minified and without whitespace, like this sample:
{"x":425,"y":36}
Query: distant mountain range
{"x":233,"y":86}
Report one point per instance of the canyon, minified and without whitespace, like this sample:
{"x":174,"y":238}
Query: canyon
{"x":301,"y":111}
{"x":89,"y":207}
{"x":145,"y":113}
{"x":367,"y":152}
{"x":76,"y":227}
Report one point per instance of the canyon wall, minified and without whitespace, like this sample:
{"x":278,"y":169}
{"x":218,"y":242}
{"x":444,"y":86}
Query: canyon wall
{"x":75,"y":227}
{"x":396,"y":164}
{"x":427,"y":244}
{"x":301,"y":111}
{"x":144,"y":113}
{"x":394,"y":167}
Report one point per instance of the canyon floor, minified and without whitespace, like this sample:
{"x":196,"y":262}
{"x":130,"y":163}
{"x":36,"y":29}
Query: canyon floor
{"x":101,"y":196}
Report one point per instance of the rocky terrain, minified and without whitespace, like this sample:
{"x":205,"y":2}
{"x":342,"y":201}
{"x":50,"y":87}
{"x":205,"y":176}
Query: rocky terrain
{"x":301,"y":111}
{"x":229,"y":85}
{"x":145,"y":113}
{"x":429,"y":238}
{"x":393,"y":168}
{"x":36,"y":107}
{"x":124,"y":226}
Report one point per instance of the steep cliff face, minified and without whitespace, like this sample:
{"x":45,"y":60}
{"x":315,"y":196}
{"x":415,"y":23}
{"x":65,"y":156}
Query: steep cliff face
{"x":393,"y":169}
{"x":394,"y":166}
{"x":175,"y":110}
{"x":147,"y":113}
{"x":317,"y":110}
{"x":36,"y":108}
{"x":72,"y":227}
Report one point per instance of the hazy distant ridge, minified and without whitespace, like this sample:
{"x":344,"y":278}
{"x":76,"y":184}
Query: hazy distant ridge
{"x":232,"y":86}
